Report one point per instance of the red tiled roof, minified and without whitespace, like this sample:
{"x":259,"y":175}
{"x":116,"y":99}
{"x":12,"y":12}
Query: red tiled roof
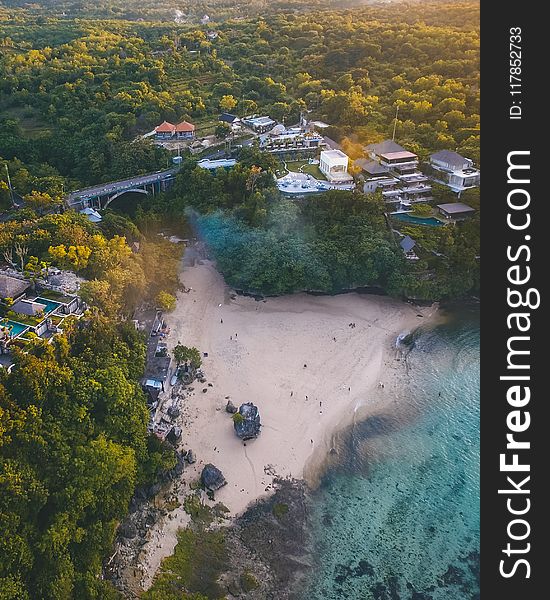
{"x":165,"y":127}
{"x":185,"y":126}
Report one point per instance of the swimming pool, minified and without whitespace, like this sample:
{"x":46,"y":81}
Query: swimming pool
{"x":16,"y":328}
{"x":407,"y":218}
{"x":51,"y":305}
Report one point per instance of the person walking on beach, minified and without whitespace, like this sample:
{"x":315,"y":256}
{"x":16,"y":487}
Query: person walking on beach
{"x":291,"y":394}
{"x":221,"y":320}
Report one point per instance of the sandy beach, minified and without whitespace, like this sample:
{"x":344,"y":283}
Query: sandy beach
{"x":295,"y":357}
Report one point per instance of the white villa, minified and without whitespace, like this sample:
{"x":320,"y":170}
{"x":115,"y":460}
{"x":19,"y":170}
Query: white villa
{"x":334,"y":166}
{"x":454,"y":171}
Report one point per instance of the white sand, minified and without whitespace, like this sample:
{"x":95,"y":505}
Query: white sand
{"x":258,"y":355}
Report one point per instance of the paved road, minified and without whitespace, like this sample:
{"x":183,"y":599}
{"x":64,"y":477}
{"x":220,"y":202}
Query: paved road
{"x":104,"y":189}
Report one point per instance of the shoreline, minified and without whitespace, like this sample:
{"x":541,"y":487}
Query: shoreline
{"x":298,"y":359}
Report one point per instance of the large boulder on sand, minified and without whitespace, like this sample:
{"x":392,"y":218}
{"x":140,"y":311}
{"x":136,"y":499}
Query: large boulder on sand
{"x":247,"y":426}
{"x":212,"y":478}
{"x":174,"y":435}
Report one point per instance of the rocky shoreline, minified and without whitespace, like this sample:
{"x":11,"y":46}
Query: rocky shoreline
{"x":267,"y":548}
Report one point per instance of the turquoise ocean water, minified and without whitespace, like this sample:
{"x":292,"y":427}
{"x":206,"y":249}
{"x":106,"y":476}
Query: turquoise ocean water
{"x":398,"y":518}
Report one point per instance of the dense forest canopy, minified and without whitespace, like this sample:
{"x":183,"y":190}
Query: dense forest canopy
{"x":181,"y":10}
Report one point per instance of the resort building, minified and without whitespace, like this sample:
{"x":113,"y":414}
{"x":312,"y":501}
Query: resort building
{"x":407,"y":245}
{"x":456,"y":211}
{"x":395,"y":170}
{"x":376,"y":150}
{"x":334,"y":166}
{"x":332,"y":144}
{"x":212,"y":165}
{"x":292,"y":142}
{"x":259,"y":124}
{"x":165,"y":131}
{"x":185,"y":131}
{"x":453,"y":170}
{"x":26,"y":313}
{"x":169,"y":131}
{"x":92,"y":215}
{"x":12,"y":287}
{"x":229,"y":119}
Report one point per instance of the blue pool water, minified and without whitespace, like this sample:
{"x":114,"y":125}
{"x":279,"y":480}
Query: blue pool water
{"x":429,"y":221}
{"x":17,"y":328}
{"x":398,"y":518}
{"x":51,"y":305}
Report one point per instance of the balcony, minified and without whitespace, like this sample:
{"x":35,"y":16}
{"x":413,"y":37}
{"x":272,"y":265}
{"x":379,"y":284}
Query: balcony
{"x":421,"y":199}
{"x":416,"y":189}
{"x":413,"y":177}
{"x":399,"y":166}
{"x":391,"y":193}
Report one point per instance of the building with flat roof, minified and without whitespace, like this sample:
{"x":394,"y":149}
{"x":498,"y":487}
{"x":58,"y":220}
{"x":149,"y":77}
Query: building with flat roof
{"x":456,"y":211}
{"x":453,"y":170}
{"x":212,"y":165}
{"x":334,"y":166}
{"x":291,"y":142}
{"x":260,"y":124}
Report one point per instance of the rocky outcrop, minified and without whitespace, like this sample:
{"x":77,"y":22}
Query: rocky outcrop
{"x":173,"y":412}
{"x":128,"y":530}
{"x":174,"y":435}
{"x":247,"y":426}
{"x":212,"y":478}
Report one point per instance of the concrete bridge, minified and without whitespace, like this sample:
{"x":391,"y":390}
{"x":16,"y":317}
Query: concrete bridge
{"x":100,"y":196}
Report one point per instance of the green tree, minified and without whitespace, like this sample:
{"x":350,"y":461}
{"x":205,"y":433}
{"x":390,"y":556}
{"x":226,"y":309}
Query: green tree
{"x":222,"y":130}
{"x":166,"y":301}
{"x":422,"y":210}
{"x":183,"y":354}
{"x":228,"y":103}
